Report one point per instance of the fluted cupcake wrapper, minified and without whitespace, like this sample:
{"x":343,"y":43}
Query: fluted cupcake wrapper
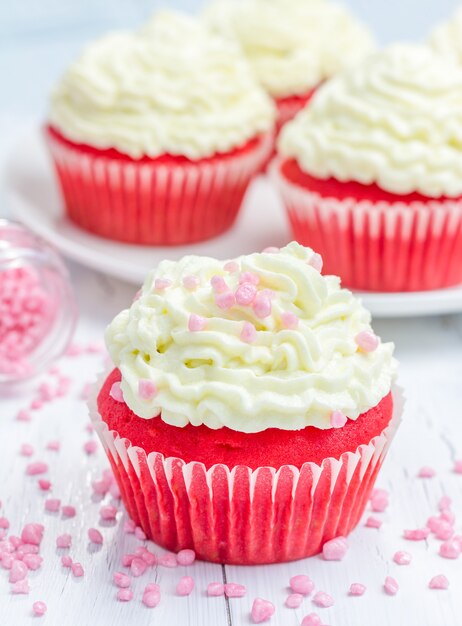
{"x":245,"y":516}
{"x":378,"y":246}
{"x":154,"y":203}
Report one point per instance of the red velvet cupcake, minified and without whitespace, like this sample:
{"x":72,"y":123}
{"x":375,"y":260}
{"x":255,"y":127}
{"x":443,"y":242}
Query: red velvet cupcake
{"x":156,"y":135}
{"x":370,"y":172}
{"x":250,"y":407}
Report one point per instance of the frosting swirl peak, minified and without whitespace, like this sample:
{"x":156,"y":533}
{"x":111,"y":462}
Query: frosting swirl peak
{"x":264,"y":341}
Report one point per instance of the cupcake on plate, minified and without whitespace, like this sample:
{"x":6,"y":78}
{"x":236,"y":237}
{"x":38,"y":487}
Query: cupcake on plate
{"x":249,"y":408}
{"x":371,"y":172}
{"x":292,"y":45}
{"x":446,"y":37}
{"x":155,"y":138}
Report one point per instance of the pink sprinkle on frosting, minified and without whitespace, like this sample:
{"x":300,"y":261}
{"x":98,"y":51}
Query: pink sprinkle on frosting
{"x":262,"y":306}
{"x":185,"y":586}
{"x":249,"y":277}
{"x":289,"y":320}
{"x":367,"y":341}
{"x":219,"y":284}
{"x":270,"y":250}
{"x":147,"y":389}
{"x":191,"y":282}
{"x":402,"y":558}
{"x":357,"y":589}
{"x":301,"y":584}
{"x":162,"y":283}
{"x":39,"y":608}
{"x":391,"y":586}
{"x":338,"y":419}
{"x":231,"y":267}
{"x":225,"y":300}
{"x":248,"y":333}
{"x":245,"y":294}
{"x":196,"y":322}
{"x":261,"y":610}
{"x":323,"y":599}
{"x":335,"y":549}
{"x":316,"y":262}
{"x":116,"y":392}
{"x":439,"y":582}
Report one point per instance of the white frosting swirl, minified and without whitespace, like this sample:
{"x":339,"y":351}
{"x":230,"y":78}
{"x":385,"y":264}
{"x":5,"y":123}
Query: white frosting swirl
{"x":292,"y":45}
{"x":446,"y":38}
{"x":287,"y":378}
{"x":173,"y":88}
{"x":395,"y":120}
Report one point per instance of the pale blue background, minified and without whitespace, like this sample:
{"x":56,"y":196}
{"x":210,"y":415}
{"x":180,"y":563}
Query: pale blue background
{"x":38,"y":38}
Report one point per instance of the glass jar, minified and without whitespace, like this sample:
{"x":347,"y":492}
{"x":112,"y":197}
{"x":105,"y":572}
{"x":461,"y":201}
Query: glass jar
{"x":37,"y":305}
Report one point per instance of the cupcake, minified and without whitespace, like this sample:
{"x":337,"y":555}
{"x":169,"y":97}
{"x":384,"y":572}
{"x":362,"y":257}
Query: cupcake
{"x":292,"y":45}
{"x":156,"y":136}
{"x":371,"y":172}
{"x":446,"y":38}
{"x":249,"y":408}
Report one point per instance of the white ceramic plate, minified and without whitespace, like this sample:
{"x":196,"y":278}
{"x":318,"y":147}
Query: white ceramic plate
{"x":35,"y":201}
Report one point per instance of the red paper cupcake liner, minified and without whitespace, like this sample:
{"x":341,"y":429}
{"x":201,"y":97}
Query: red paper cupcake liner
{"x":163,"y":201}
{"x":245,"y":516}
{"x":378,"y":245}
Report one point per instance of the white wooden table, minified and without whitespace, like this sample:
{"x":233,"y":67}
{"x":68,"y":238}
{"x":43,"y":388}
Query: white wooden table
{"x":430,"y":351}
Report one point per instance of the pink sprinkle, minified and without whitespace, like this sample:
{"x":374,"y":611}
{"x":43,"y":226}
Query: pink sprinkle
{"x":66,"y":561}
{"x":95,"y":536}
{"x":191,"y":282}
{"x":402,"y":558}
{"x":215,"y":589}
{"x":15,"y":541}
{"x":443,"y":530}
{"x":367,"y":341}
{"x":4,"y":523}
{"x":262,"y":610}
{"x":22,"y":586}
{"x":416,"y":535}
{"x":32,"y":561}
{"x":18,"y":571}
{"x":248,"y":277}
{"x":248,"y":333}
{"x":108,"y":512}
{"x":335,"y":549}
{"x":301,"y":584}
{"x":234,"y":590}
{"x":231,"y":267}
{"x":245,"y":294}
{"x":121,"y":580}
{"x":225,"y":300}
{"x":38,"y":467}
{"x":162,"y":283}
{"x":147,"y":389}
{"x":152,"y":587}
{"x":289,"y":320}
{"x":138,"y":567}
{"x":32,"y":533}
{"x":391,"y":586}
{"x":64,"y":541}
{"x":196,"y":322}
{"x":439,"y":582}
{"x":379,"y":503}
{"x":357,"y":589}
{"x":44,"y":484}
{"x":90,"y":446}
{"x":23,"y":416}
{"x":52,"y":505}
{"x":270,"y":250}
{"x":68,"y":510}
{"x":457,"y":466}
{"x":338,"y":419}
{"x":379,"y":493}
{"x":124,"y":595}
{"x":294,"y":600}
{"x":6,"y":560}
{"x":316,"y":262}
{"x":444,"y":503}
{"x":26,"y":449}
{"x":151,"y":598}
{"x":186,"y":557}
{"x":448,"y":516}
{"x":77,"y":569}
{"x":219,"y":284}
{"x":129,"y":526}
{"x":116,"y":392}
{"x":26,"y":548}
{"x":426,"y":472}
{"x":168,"y":560}
{"x":36,"y":404}
{"x":373,"y":522}
{"x":53,"y":445}
{"x":39,"y":608}
{"x":73,"y":350}
{"x":449,"y":550}
{"x":262,"y":306}
{"x":140,"y":534}
{"x":185,"y":586}
{"x":323,"y":599}
{"x":127,"y":559}
{"x":311,"y":620}
{"x":148,"y":557}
